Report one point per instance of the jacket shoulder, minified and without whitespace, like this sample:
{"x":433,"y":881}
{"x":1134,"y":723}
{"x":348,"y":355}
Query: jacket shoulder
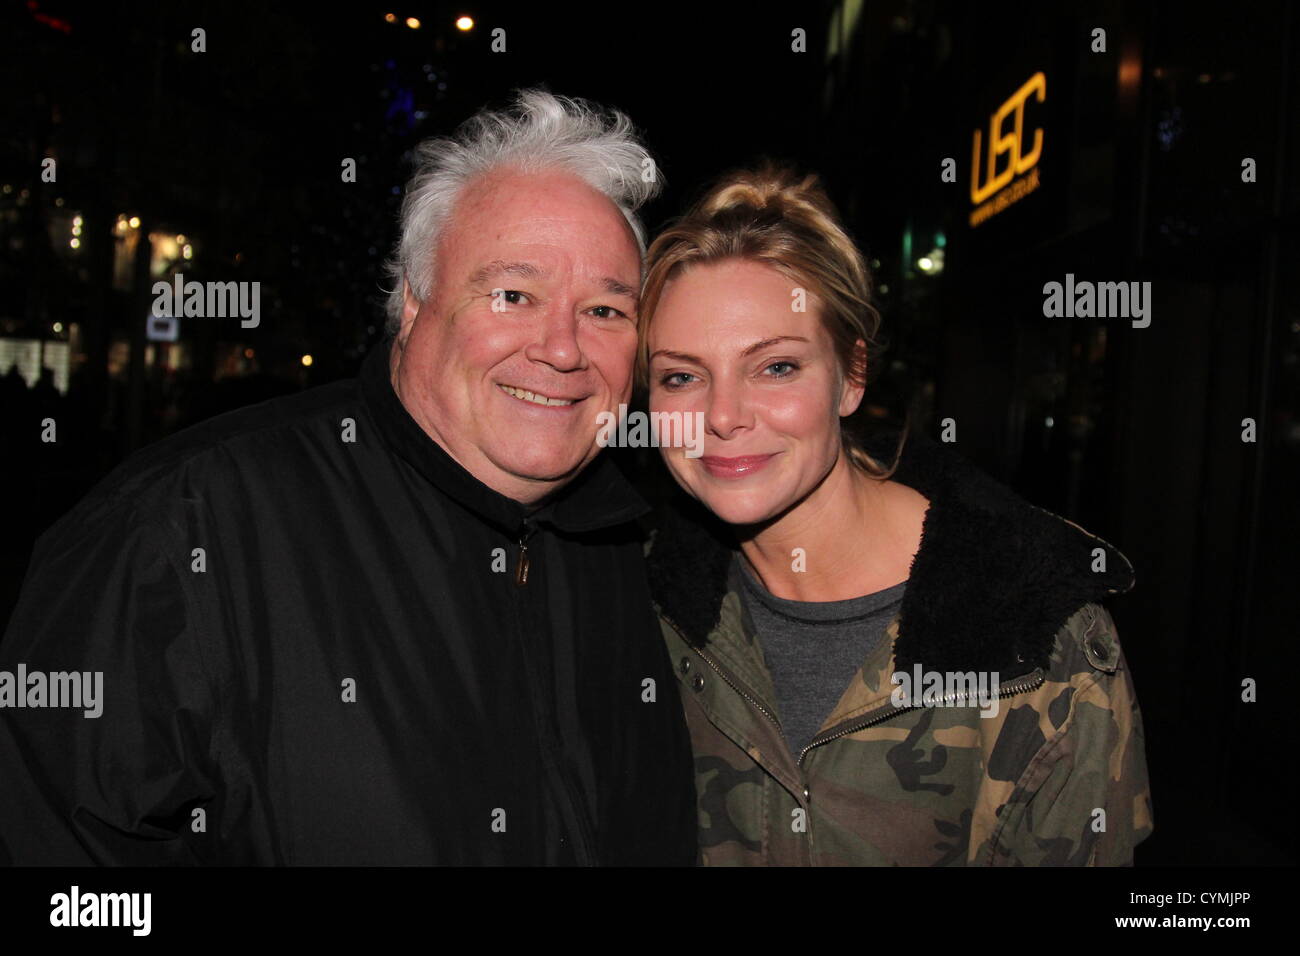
{"x":156,"y":477}
{"x":1088,"y":642}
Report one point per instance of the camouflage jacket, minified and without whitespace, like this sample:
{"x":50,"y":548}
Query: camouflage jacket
{"x":1057,"y":776}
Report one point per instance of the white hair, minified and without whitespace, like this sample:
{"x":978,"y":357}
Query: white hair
{"x":539,"y":131}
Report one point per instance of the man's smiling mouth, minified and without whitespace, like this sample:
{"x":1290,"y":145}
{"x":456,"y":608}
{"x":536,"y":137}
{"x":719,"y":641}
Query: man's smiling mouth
{"x":534,"y":397}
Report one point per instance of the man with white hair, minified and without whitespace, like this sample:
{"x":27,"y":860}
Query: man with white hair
{"x":399,"y":619}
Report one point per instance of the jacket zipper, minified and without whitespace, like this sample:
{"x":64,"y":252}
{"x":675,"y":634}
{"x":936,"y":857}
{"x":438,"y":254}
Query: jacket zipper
{"x":1019,"y":686}
{"x":522,"y":565}
{"x":585,"y":849}
{"x":727,"y":680}
{"x":583,"y":837}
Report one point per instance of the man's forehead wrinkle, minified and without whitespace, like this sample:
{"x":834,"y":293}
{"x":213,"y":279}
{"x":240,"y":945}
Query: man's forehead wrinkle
{"x":532,"y":270}
{"x":527,"y":270}
{"x":498,"y":267}
{"x":542,"y":236}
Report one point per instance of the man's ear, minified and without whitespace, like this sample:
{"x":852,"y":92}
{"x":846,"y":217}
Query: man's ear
{"x":410,"y":309}
{"x":854,"y":386}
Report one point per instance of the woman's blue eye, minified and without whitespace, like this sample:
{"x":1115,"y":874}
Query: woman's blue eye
{"x":668,"y":380}
{"x":790,"y":365}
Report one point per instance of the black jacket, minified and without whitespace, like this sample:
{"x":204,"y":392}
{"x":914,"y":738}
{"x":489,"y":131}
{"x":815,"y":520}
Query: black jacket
{"x":349,"y":671}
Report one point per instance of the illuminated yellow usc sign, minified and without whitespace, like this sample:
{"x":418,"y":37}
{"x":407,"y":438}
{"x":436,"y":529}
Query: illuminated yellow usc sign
{"x":1010,"y":144}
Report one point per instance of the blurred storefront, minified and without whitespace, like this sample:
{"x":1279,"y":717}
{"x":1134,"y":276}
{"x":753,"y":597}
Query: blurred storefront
{"x":1161,"y":150}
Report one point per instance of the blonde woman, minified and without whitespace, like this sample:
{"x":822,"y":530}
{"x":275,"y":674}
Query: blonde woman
{"x":885,"y":656}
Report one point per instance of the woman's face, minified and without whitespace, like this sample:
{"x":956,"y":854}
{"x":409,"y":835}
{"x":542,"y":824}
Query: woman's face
{"x":726,"y":341}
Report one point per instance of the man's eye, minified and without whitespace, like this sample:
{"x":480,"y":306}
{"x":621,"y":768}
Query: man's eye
{"x":502,"y":297}
{"x":608,"y":312}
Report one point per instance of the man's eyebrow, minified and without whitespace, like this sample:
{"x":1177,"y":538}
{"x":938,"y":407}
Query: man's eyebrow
{"x":500,"y":267}
{"x":615,"y":287}
{"x":526,"y":270}
{"x":756,"y":347}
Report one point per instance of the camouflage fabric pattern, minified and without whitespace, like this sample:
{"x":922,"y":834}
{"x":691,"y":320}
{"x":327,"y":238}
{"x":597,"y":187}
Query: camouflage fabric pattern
{"x":1057,"y":778}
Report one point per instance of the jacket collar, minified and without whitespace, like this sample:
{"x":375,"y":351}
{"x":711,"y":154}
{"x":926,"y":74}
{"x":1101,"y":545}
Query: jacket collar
{"x":599,"y":497}
{"x":992,"y":583}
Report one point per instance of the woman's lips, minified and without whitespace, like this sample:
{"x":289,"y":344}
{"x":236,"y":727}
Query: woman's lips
{"x":734,"y":467}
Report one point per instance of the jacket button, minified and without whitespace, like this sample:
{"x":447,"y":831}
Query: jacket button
{"x":699,"y":682}
{"x":685,"y":666}
{"x":1098,"y":650}
{"x":805,"y":793}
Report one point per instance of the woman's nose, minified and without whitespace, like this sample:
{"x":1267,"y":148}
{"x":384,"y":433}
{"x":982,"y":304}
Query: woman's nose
{"x":726,"y":410}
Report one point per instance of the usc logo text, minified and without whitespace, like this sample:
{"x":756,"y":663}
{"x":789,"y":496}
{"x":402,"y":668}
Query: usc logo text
{"x":1009,"y":143}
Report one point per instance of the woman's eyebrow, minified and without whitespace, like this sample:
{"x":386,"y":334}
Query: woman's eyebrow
{"x":679,"y":356}
{"x":758,"y":346}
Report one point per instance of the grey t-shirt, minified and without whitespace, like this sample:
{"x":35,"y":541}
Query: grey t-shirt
{"x":813,"y":649}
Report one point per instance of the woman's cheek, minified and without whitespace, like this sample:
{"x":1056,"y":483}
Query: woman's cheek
{"x":798,"y":410}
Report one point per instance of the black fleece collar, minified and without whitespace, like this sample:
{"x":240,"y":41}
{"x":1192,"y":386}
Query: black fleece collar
{"x":992,"y":583}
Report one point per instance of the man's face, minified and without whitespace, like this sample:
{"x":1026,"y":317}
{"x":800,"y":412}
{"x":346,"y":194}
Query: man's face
{"x":511,"y":382}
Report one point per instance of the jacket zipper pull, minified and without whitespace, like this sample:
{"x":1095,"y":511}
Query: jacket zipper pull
{"x":521,"y":568}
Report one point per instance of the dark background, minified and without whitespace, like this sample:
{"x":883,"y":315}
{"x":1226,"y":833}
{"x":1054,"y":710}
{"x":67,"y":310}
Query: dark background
{"x":1133,"y":433}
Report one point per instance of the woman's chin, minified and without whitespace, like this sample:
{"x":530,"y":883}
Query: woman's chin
{"x":739,"y":508}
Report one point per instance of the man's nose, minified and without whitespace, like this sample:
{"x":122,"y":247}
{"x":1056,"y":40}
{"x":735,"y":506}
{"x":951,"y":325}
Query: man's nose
{"x":557,"y":343}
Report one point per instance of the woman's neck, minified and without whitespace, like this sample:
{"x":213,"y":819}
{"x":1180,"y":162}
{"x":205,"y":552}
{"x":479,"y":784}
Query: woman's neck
{"x":853,"y":537}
